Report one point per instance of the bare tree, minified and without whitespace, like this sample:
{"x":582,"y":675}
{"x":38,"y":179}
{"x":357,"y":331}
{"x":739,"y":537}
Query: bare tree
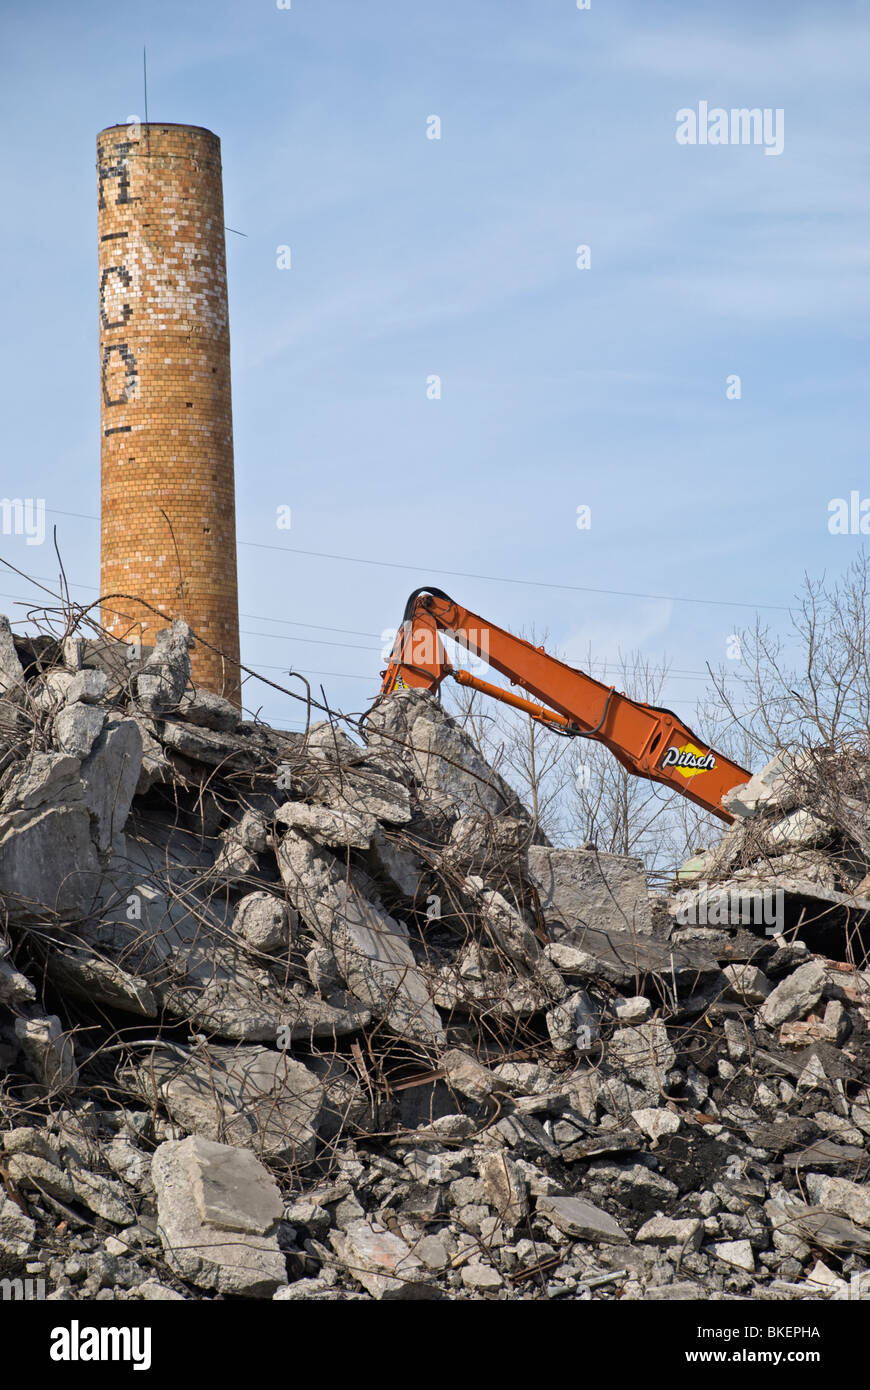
{"x":810,"y":686}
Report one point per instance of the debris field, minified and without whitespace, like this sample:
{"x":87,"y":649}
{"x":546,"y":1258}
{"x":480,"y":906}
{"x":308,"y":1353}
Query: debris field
{"x":324,"y":1016}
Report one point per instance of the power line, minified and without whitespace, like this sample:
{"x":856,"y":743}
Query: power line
{"x":489,"y":578}
{"x":505,"y":579}
{"x":257,"y":617}
{"x":314,"y":641}
{"x":677,"y":673}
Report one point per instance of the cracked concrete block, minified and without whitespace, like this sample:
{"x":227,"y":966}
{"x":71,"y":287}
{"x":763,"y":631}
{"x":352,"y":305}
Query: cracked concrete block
{"x":77,"y":727}
{"x":49,"y":1053}
{"x":581,"y":888}
{"x":47,"y":861}
{"x":109,"y":778}
{"x":218,"y":1210}
{"x":370,"y":947}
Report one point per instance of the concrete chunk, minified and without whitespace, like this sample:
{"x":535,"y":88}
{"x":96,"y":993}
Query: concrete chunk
{"x":382,"y":1262}
{"x":48,"y":1052}
{"x":109,"y":777}
{"x":735,"y":1252}
{"x":76,"y":729}
{"x":337,"y":829}
{"x":466,"y":1075}
{"x":165,"y":674}
{"x":17,"y":1231}
{"x":210,"y":711}
{"x":645,"y":1052}
{"x":218,"y":1210}
{"x":261,"y":919}
{"x":41,"y":779}
{"x":795,"y":995}
{"x":664,"y":1230}
{"x":11,"y":670}
{"x":251,"y":1097}
{"x":370,"y":947}
{"x":840,"y":1196}
{"x":746,"y":983}
{"x":505,"y":1188}
{"x":582,"y":888}
{"x":581,"y":1220}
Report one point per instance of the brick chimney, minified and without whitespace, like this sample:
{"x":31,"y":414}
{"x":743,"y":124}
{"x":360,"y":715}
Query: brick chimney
{"x":168,"y":534}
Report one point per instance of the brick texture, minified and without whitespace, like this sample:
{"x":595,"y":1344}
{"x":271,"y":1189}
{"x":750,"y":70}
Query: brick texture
{"x":168,"y":534}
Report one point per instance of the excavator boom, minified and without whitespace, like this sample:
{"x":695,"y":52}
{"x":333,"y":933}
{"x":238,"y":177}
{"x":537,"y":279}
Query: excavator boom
{"x":650,"y":742}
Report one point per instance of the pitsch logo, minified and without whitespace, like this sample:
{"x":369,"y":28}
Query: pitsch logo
{"x":688,"y":760}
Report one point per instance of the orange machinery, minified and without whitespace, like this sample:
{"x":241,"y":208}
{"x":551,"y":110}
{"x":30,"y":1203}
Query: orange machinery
{"x":648,"y":741}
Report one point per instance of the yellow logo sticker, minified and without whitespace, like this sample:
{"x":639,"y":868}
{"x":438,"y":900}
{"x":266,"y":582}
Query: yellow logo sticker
{"x":688,"y":760}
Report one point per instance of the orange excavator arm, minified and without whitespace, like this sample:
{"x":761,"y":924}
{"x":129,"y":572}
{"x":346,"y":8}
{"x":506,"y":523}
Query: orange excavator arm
{"x":648,"y":741}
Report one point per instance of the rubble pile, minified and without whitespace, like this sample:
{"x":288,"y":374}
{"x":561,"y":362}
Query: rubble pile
{"x":324,"y":1016}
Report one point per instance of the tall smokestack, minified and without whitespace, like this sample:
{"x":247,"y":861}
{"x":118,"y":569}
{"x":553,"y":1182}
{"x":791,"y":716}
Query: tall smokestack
{"x":168,"y":499}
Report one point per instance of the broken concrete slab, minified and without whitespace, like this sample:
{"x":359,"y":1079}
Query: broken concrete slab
{"x":774,"y":787}
{"x":364,"y":793}
{"x":766,"y":902}
{"x":251,"y":1097}
{"x":338,"y":829}
{"x":581,"y":1220}
{"x":800,"y":829}
{"x":76,"y":729}
{"x":487,"y":845}
{"x":816,"y":1227}
{"x":41,"y":779}
{"x":84,"y":975}
{"x":840,"y":1196}
{"x":156,"y":767}
{"x":201,"y":745}
{"x":400,"y":866}
{"x":48,"y":862}
{"x":382,"y":1262}
{"x":580,"y":889}
{"x":441,"y":756}
{"x":218,"y":1210}
{"x":109,"y":777}
{"x":209,"y":711}
{"x":49,"y":1053}
{"x":795,"y":995}
{"x":11,"y":670}
{"x":165,"y":674}
{"x":370,"y":947}
{"x":627,"y":961}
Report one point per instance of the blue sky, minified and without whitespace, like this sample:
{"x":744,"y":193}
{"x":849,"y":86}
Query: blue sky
{"x":457,"y":257}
